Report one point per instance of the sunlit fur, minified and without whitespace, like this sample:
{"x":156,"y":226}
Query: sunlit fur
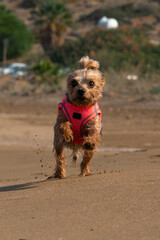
{"x":83,"y":77}
{"x":89,"y":80}
{"x":86,"y":62}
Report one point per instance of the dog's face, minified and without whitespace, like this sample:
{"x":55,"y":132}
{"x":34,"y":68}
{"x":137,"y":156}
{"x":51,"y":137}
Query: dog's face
{"x":84,"y":87}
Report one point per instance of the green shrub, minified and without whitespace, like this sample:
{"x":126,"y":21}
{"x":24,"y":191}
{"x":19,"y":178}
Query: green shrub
{"x":71,"y":1}
{"x":47,"y":73}
{"x":19,"y":37}
{"x":155,"y":90}
{"x":47,"y":66}
{"x":29,"y":3}
{"x":115,"y":49}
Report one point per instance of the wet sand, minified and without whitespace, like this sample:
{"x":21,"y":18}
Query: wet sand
{"x":119,"y":201}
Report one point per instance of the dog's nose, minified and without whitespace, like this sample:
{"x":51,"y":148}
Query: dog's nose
{"x":81,"y":92}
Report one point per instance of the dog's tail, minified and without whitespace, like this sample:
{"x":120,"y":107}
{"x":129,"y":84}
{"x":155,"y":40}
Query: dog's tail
{"x":88,"y":63}
{"x":75,"y":155}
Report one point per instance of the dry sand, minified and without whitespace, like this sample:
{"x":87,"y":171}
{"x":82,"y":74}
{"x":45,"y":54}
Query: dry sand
{"x":121,"y":200}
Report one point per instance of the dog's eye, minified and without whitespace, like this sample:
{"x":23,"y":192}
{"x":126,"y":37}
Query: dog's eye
{"x":91,"y":84}
{"x":74,"y":83}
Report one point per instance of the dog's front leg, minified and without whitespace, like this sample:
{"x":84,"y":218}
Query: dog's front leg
{"x":90,"y":143}
{"x":86,"y":162}
{"x":66,"y":130}
{"x":92,"y":136}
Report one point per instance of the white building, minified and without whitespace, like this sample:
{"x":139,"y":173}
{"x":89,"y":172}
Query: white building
{"x":109,"y":23}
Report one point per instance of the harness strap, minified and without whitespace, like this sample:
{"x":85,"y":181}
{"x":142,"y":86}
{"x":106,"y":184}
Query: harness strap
{"x":67,"y":113}
{"x":83,"y":123}
{"x":63,"y":104}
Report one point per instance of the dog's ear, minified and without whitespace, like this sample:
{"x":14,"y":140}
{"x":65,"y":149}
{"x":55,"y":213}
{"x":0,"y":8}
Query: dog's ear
{"x":87,"y":63}
{"x":103,"y":82}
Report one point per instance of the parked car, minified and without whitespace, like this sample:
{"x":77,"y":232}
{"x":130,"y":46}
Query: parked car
{"x":15,"y":69}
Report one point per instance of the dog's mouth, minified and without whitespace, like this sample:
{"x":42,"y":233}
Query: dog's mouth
{"x":82,"y":99}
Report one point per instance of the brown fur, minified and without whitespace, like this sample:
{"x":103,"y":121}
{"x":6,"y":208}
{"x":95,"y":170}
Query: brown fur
{"x":63,"y":135}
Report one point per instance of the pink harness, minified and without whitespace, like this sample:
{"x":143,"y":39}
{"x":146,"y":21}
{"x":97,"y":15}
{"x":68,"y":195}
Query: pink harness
{"x":78,"y":116}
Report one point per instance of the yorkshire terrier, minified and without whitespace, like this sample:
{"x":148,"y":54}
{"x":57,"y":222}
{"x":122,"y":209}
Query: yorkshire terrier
{"x":78,"y":124}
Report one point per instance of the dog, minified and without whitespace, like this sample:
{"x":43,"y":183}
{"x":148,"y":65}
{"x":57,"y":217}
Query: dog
{"x":78,"y":124}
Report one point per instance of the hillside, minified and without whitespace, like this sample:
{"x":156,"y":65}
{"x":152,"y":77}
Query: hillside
{"x":121,"y":53}
{"x":82,"y":8}
{"x":22,"y":13}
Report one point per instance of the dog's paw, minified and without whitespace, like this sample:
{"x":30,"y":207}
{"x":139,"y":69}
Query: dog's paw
{"x":85,"y":174}
{"x":68,"y":136}
{"x":89,"y":145}
{"x":67,"y":132}
{"x":59,"y":173}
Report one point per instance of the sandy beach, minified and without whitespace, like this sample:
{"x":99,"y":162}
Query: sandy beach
{"x":120,"y":201}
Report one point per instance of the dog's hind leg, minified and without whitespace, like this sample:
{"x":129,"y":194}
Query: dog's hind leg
{"x":86,"y":162}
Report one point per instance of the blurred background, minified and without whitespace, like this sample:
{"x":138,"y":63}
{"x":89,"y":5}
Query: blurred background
{"x":41,"y":41}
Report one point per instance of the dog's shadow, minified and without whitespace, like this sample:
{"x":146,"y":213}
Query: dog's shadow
{"x":17,"y":187}
{"x":25,"y":186}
